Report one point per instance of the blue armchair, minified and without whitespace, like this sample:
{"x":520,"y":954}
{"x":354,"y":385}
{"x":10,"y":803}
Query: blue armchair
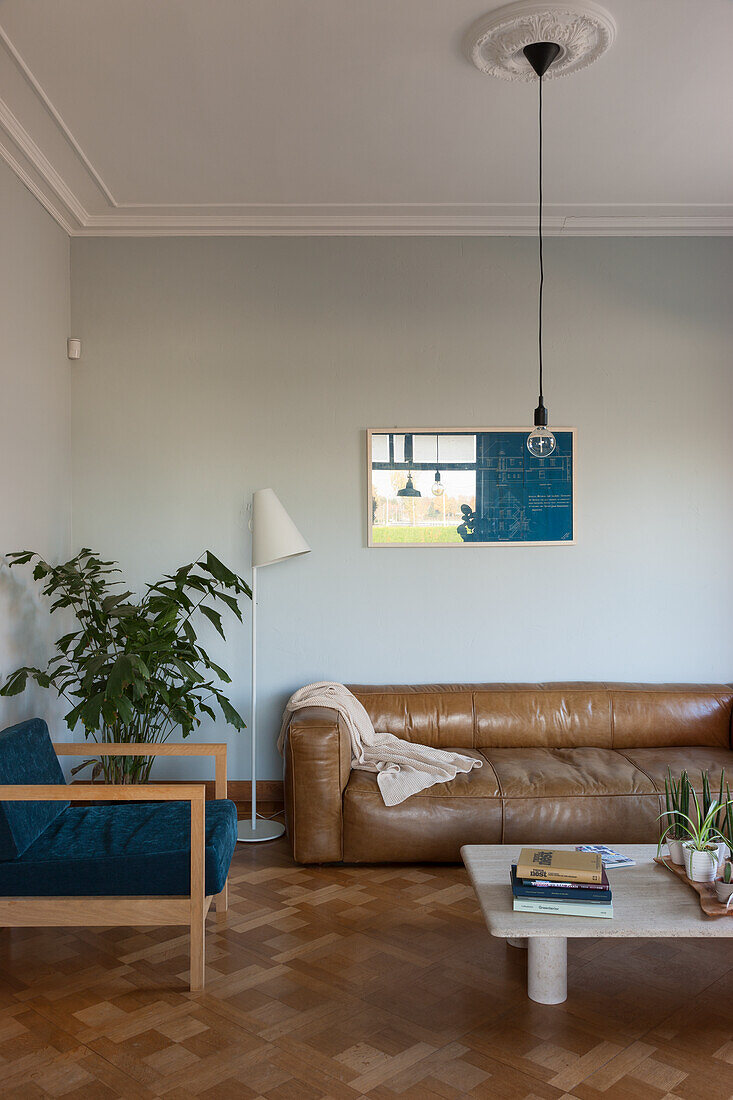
{"x":153,"y":854}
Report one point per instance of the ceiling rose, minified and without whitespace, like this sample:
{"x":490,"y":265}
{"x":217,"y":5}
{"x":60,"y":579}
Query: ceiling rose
{"x":582,"y":31}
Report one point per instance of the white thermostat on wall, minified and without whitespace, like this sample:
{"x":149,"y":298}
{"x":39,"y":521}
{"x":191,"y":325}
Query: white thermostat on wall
{"x":73,"y":348}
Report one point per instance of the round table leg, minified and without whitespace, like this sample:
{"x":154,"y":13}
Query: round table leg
{"x":513,"y":941}
{"x":547,"y":969}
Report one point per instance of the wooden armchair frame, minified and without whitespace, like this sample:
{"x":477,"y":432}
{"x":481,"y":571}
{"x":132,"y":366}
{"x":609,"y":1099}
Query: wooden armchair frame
{"x":191,"y":910}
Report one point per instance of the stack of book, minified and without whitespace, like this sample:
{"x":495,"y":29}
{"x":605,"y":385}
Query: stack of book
{"x":545,"y":880}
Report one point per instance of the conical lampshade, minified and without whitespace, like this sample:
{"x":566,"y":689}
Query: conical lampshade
{"x":274,"y":535}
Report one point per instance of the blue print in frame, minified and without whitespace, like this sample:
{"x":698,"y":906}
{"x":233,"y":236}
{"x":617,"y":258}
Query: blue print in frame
{"x":460,"y":487}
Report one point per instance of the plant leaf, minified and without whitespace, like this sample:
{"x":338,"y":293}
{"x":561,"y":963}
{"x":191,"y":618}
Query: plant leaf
{"x":232,"y":716}
{"x":214,"y":617}
{"x":16,"y":682}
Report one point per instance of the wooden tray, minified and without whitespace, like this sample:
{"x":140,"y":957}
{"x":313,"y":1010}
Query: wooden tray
{"x":705,"y":890}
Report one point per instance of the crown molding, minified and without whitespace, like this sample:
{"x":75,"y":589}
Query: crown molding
{"x":418,"y":220}
{"x":45,"y":100}
{"x":19,"y":138}
{"x":74,"y":192}
{"x":31,"y":182}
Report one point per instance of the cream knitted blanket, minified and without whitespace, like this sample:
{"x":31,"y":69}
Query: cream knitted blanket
{"x":402,"y":768}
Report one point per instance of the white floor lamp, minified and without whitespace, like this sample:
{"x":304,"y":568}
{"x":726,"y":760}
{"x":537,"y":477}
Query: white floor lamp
{"x":274,"y":538}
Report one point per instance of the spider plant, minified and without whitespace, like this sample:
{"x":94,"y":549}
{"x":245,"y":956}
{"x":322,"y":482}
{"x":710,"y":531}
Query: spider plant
{"x":726,"y":826}
{"x":707,"y":798}
{"x":700,"y":833}
{"x":677,"y":799}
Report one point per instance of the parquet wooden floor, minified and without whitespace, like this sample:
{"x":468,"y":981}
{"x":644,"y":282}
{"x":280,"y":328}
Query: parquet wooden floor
{"x":343,"y":982}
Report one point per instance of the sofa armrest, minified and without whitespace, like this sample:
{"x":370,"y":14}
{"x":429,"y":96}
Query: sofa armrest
{"x":317,"y":765}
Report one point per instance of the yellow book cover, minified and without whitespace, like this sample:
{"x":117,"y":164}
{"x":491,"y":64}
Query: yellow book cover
{"x":553,"y":865}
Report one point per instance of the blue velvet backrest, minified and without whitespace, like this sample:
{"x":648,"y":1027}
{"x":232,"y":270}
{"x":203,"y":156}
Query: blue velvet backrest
{"x":27,"y":755}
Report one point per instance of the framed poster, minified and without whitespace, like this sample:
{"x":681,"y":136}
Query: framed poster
{"x":468,"y":487}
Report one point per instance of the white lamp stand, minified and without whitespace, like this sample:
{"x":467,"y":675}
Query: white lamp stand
{"x":274,"y":538}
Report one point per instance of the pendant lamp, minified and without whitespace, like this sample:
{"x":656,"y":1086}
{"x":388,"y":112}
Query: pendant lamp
{"x":409,"y":489}
{"x":541,"y":442}
{"x":437,"y":488}
{"x":520,"y":42}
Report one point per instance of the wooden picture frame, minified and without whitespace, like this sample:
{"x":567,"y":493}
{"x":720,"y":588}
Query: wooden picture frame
{"x":567,"y":478}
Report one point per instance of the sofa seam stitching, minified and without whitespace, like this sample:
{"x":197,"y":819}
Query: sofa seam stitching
{"x":294,"y":837}
{"x":474,"y":731}
{"x":533,"y":797}
{"x":341,"y":790}
{"x":639,"y":768}
{"x":501,"y":794}
{"x":722,"y":691}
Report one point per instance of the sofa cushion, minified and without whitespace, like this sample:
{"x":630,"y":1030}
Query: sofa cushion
{"x":554,"y":715}
{"x":694,"y":760}
{"x":548,"y":716}
{"x":569,"y":796}
{"x":431,"y":825}
{"x":523,"y":796}
{"x":27,"y":756}
{"x":671,"y":714}
{"x":438,"y":715}
{"x":552,"y":773}
{"x":122,"y":850}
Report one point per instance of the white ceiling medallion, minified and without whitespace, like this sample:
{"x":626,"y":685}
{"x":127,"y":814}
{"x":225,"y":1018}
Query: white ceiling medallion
{"x":582,"y":31}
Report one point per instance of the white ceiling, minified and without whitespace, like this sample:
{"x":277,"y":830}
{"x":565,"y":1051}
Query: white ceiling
{"x":358,"y":116}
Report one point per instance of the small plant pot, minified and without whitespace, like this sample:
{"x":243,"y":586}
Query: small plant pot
{"x":724,"y":890}
{"x":701,"y":866}
{"x":676,"y":852}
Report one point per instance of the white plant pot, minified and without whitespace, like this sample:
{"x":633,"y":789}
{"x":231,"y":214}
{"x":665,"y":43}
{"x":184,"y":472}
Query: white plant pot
{"x":700,"y":866}
{"x":676,"y":853}
{"x":723,"y":854}
{"x":724,"y":890}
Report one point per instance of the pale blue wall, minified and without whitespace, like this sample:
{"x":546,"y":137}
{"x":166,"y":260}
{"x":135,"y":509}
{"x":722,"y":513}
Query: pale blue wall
{"x":35,"y":432}
{"x":212,"y":367}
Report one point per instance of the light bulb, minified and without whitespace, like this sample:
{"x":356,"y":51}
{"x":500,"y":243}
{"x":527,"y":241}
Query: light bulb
{"x":541,"y":442}
{"x":437,"y":487}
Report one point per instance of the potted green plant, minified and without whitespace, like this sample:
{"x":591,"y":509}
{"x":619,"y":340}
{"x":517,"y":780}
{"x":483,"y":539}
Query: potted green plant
{"x":677,"y":799}
{"x":707,"y":801}
{"x":724,"y":884}
{"x":701,"y":845}
{"x":724,"y":849}
{"x":133,"y":670}
{"x":702,"y":837}
{"x":726,"y":824}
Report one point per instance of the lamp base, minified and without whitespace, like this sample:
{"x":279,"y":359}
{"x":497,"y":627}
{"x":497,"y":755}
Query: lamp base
{"x":263,"y":830}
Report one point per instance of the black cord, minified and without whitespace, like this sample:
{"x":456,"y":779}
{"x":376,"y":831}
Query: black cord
{"x":542,"y":266}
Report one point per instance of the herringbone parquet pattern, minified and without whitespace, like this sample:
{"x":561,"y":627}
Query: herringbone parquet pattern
{"x":343,"y":982}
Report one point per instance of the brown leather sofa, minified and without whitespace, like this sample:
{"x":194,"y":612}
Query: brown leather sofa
{"x":565,"y":763}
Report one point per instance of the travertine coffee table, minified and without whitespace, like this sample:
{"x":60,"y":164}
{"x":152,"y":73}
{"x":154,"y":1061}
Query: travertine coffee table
{"x":648,"y":901}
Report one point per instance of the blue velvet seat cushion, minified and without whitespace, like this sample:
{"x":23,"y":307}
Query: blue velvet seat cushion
{"x":27,"y":755}
{"x":122,"y":850}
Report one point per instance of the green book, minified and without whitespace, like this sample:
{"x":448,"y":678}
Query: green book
{"x":563,"y":908}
